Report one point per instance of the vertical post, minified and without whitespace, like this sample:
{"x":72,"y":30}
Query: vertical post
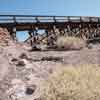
{"x":54,"y":19}
{"x":14,"y":33}
{"x":54,"y":28}
{"x":36,"y":40}
{"x":47,"y":35}
{"x":68,"y":19}
{"x":14,"y":29}
{"x":30,"y":34}
{"x":37,"y":20}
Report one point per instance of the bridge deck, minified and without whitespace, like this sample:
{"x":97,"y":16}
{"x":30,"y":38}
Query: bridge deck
{"x":54,"y":26}
{"x":26,"y":22}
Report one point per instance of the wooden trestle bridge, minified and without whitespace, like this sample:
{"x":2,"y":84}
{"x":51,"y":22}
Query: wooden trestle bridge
{"x":54,"y":26}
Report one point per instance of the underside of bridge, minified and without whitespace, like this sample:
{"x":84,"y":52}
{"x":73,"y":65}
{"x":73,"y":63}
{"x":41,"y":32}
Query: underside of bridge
{"x":54,"y":26}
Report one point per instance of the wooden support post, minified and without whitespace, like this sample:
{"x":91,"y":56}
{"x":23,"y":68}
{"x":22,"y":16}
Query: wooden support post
{"x":14,"y":33}
{"x":54,"y":28}
{"x":35,"y":36}
{"x":47,"y":35}
{"x":30,"y":34}
{"x":54,"y":31}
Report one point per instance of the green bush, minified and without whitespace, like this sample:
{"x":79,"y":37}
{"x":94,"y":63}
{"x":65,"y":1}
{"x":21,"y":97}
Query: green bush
{"x":73,"y":83}
{"x":70,"y":43}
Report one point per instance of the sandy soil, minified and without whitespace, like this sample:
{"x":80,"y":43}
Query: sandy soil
{"x":21,"y":69}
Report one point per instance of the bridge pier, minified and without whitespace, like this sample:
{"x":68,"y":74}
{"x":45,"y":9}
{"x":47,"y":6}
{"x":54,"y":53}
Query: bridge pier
{"x":30,"y":37}
{"x":13,"y":33}
{"x":47,"y":35}
{"x":85,"y":28}
{"x":33,"y":35}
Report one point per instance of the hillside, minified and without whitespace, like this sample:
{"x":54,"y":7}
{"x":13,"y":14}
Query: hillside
{"x":22,"y":70}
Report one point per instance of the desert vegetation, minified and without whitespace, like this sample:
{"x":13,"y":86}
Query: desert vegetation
{"x":73,"y":83}
{"x":70,"y":43}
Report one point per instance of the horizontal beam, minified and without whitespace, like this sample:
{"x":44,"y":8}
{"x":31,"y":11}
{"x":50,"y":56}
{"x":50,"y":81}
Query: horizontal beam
{"x":30,"y":18}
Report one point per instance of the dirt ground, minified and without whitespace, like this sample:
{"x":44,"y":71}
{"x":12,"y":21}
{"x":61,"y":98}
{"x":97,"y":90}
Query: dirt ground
{"x":22,"y":71}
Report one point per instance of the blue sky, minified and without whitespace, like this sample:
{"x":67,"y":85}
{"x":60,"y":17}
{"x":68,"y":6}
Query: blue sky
{"x":50,"y":7}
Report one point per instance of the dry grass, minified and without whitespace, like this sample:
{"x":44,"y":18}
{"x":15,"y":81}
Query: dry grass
{"x":73,"y":83}
{"x":70,"y":43}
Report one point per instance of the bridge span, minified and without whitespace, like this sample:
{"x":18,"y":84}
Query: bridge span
{"x":27,"y":22}
{"x":82,"y":26}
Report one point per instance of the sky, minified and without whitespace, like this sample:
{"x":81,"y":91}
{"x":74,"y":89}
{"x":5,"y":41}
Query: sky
{"x":50,"y":7}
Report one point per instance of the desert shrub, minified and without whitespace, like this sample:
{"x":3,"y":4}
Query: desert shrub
{"x":70,"y":43}
{"x":73,"y":83}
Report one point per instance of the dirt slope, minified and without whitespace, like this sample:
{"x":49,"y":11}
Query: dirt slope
{"x":22,"y":71}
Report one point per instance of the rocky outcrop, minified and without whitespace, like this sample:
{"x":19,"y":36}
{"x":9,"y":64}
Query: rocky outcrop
{"x":4,"y":36}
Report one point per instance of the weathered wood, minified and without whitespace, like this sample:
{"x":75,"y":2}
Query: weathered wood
{"x":54,"y":26}
{"x":13,"y":33}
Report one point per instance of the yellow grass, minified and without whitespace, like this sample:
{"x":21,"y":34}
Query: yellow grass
{"x":70,"y":43}
{"x":73,"y":83}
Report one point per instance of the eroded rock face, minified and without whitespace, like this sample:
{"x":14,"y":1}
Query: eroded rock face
{"x":4,"y":36}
